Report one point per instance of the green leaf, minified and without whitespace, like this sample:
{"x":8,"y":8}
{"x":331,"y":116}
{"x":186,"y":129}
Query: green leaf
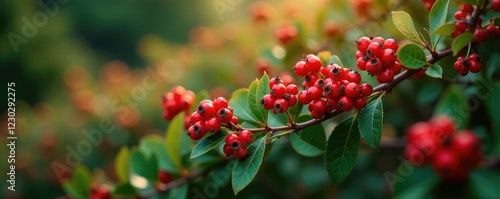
{"x":471,"y":2}
{"x":370,"y":122}
{"x":79,"y":184}
{"x":437,"y":17}
{"x":180,"y":192}
{"x":176,"y":140}
{"x":154,"y":144}
{"x":200,"y":96}
{"x":207,"y":144}
{"x":404,"y":23}
{"x":453,"y":103}
{"x":434,"y":71}
{"x":484,"y":183}
{"x":122,"y":164}
{"x":311,"y":141}
{"x":239,"y":103}
{"x":413,"y":184}
{"x":445,"y":29}
{"x":73,"y":190}
{"x":334,"y":59}
{"x":295,"y":110}
{"x":124,"y":189}
{"x":412,"y":56}
{"x":342,"y":150}
{"x":245,"y":169}
{"x":143,"y":171}
{"x":257,"y":90}
{"x":460,"y":42}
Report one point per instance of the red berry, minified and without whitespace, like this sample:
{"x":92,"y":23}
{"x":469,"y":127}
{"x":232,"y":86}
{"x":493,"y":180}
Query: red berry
{"x":318,"y":106}
{"x":414,"y":155}
{"x":458,"y":64}
{"x":228,"y":150}
{"x":337,"y":73}
{"x":292,"y":89}
{"x":290,"y":99}
{"x":311,"y":79}
{"x":195,"y":132}
{"x":418,"y":132}
{"x":447,"y":165}
{"x":391,"y":44}
{"x":361,"y":63}
{"x":379,"y":40}
{"x":363,"y":43}
{"x":366,"y":89}
{"x":467,"y":8}
{"x":455,"y":33}
{"x":303,"y":99}
{"x":220,"y":102}
{"x":212,"y":125}
{"x":345,"y":103}
{"x":267,"y":102}
{"x":491,"y":30}
{"x":275,"y":80}
{"x":230,"y":138}
{"x":332,"y":90}
{"x":300,"y":68}
{"x":206,"y":110}
{"x":313,"y":63}
{"x":474,"y":66}
{"x":461,"y":26}
{"x":465,"y":142}
{"x":444,"y":128}
{"x":495,"y":5}
{"x":246,"y":137}
{"x":388,"y":57}
{"x":480,"y":35}
{"x":460,"y":15}
{"x":241,"y":152}
{"x":464,"y":70}
{"x":224,"y":115}
{"x":359,"y":103}
{"x":278,"y":90}
{"x":234,"y":120}
{"x":195,"y":117}
{"x":376,"y":49}
{"x":164,"y":177}
{"x":352,"y":90}
{"x":386,"y":76}
{"x":353,"y":76}
{"x":314,"y":93}
{"x":280,"y":106}
{"x":374,"y":66}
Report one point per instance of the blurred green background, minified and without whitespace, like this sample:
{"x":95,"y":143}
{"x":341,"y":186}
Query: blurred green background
{"x":90,"y":59}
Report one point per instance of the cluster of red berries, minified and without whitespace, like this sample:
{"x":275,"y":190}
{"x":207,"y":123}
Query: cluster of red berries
{"x":236,"y":144}
{"x":378,"y":57}
{"x":452,"y":155}
{"x":330,"y":88}
{"x":472,"y":63}
{"x":99,"y":192}
{"x":209,"y":116}
{"x":428,"y":4}
{"x":281,"y":96}
{"x":177,"y":100}
{"x":286,"y":33}
{"x":462,"y":26}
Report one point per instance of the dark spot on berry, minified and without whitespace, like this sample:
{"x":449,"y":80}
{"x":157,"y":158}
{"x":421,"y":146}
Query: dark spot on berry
{"x":235,"y":145}
{"x":223,"y":113}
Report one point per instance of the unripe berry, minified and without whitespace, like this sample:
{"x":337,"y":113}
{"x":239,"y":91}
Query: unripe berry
{"x":246,"y":137}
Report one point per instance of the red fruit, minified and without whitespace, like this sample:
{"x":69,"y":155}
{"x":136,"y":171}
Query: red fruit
{"x":447,"y":165}
{"x":363,"y":43}
{"x":292,"y":89}
{"x":414,"y":155}
{"x":278,"y":90}
{"x":212,"y":125}
{"x":330,"y":29}
{"x":241,"y":152}
{"x":386,"y":76}
{"x":455,"y":33}
{"x":495,"y":5}
{"x":318,"y":106}
{"x":286,"y":34}
{"x":290,"y":99}
{"x":313,"y":63}
{"x":314,"y":93}
{"x":444,"y":128}
{"x":391,"y":44}
{"x":418,"y":132}
{"x":374,"y":66}
{"x":361,"y":63}
{"x":300,"y":68}
{"x":360,"y":103}
{"x":220,"y":102}
{"x":379,"y":40}
{"x":465,"y":142}
{"x":474,"y":66}
{"x":458,"y":64}
{"x":464,"y":70}
{"x":224,"y":115}
{"x":206,"y":110}
{"x":332,"y":90}
{"x":311,"y":79}
{"x":388,"y":57}
{"x":234,"y":120}
{"x":246,"y":137}
{"x":195,"y":132}
{"x":460,"y":15}
{"x":480,"y":35}
{"x":467,"y":8}
{"x":461,"y":26}
{"x":420,"y":73}
{"x":195,"y":117}
{"x":353,"y":76}
{"x":492,"y":30}
{"x":164,"y":177}
{"x":345,"y":103}
{"x":280,"y":106}
{"x":231,"y":138}
{"x":352,"y":90}
{"x":267,"y":102}
{"x":337,"y":73}
{"x":366,"y":89}
{"x":303,"y":99}
{"x":376,"y":49}
{"x":228,"y":150}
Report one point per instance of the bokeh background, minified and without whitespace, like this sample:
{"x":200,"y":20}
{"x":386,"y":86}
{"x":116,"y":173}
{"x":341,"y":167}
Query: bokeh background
{"x":89,"y":61}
